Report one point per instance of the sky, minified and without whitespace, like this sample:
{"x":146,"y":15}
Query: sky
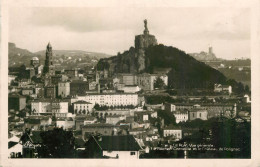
{"x":112,"y":30}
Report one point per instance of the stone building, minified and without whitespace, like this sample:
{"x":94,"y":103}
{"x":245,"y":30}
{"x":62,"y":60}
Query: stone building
{"x":198,"y":114}
{"x":78,"y":87}
{"x":16,"y":102}
{"x":99,"y":128}
{"x":64,"y":89}
{"x":110,"y":99}
{"x":50,"y":91}
{"x":181,"y":116}
{"x":174,"y":132}
{"x":82,"y":107}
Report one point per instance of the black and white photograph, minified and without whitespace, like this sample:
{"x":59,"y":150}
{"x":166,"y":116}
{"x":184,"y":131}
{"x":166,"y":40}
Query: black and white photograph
{"x":129,"y":82}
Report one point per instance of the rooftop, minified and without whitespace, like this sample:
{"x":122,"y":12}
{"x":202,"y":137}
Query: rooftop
{"x":81,"y":102}
{"x":99,"y":125}
{"x":118,"y":143}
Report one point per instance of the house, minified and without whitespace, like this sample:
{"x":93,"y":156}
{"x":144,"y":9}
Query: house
{"x":16,"y":102}
{"x":114,"y":119}
{"x":181,"y":116}
{"x":51,"y":107}
{"x":151,"y":137}
{"x":59,"y":108}
{"x":71,"y":73}
{"x":174,"y":132}
{"x":11,"y":78}
{"x":90,"y":120}
{"x":31,"y":141}
{"x":246,"y":99}
{"x":15,"y":148}
{"x":129,"y":88}
{"x":214,"y":110}
{"x":37,"y":122}
{"x":116,"y":147}
{"x":23,"y":82}
{"x":50,"y":91}
{"x":27,"y":91}
{"x":99,"y":128}
{"x":109,"y":99}
{"x":82,"y":107}
{"x":81,"y":120}
{"x":142,"y":116}
{"x":78,"y":87}
{"x":137,"y":131}
{"x":223,"y":88}
{"x":64,"y":89}
{"x":55,"y":79}
{"x":198,"y":114}
{"x":65,"y":123}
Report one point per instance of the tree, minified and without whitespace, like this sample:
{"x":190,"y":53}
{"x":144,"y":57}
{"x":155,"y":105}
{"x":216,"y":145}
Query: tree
{"x":106,"y":114}
{"x":159,"y":83}
{"x":168,"y":117}
{"x":97,"y":106}
{"x":57,"y":143}
{"x":22,"y":72}
{"x":247,"y":90}
{"x":22,"y":113}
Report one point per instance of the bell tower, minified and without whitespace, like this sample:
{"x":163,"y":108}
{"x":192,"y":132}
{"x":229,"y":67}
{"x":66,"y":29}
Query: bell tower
{"x":48,"y":66}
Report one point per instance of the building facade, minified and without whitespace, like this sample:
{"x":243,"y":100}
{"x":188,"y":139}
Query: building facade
{"x":82,"y":107}
{"x":64,"y":89}
{"x":116,"y":99}
{"x":181,"y":116}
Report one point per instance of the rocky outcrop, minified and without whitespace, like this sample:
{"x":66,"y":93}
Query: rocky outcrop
{"x":133,"y":60}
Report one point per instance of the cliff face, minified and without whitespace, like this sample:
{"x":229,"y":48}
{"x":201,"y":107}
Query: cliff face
{"x":133,"y":60}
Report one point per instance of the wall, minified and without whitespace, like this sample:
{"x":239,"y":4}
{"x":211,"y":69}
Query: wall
{"x":122,"y":154}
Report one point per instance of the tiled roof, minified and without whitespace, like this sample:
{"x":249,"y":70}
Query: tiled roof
{"x":81,"y":102}
{"x":99,"y":125}
{"x":118,"y":143}
{"x":11,"y":144}
{"x":172,"y":128}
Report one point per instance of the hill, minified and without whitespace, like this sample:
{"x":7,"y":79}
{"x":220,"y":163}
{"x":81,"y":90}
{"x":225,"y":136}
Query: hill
{"x":18,"y":56}
{"x":186,"y":71}
{"x":68,"y":53}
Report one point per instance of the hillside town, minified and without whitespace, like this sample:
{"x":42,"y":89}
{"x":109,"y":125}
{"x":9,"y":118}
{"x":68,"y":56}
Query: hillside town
{"x":122,"y":111}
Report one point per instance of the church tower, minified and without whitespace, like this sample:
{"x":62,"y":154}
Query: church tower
{"x":48,"y":66}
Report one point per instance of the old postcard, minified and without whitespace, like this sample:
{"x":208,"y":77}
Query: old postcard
{"x":130,"y":83}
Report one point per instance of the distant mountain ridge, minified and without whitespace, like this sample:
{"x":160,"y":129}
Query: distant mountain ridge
{"x":18,"y":56}
{"x":74,"y":52}
{"x":13,"y":50}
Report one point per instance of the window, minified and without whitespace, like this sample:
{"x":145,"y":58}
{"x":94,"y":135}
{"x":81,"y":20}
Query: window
{"x":132,"y":153}
{"x":193,"y":114}
{"x":200,"y":115}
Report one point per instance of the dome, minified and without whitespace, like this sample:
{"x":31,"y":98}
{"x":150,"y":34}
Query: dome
{"x":35,"y":58}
